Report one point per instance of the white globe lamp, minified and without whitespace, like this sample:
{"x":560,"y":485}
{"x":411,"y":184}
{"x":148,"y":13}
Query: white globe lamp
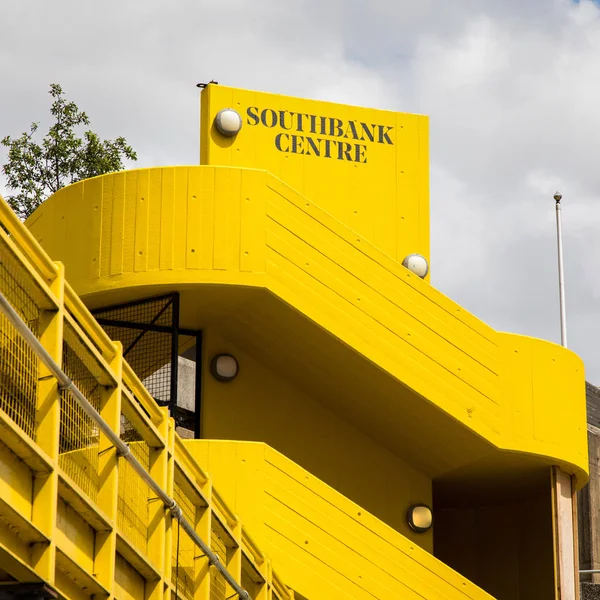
{"x":416,"y":264}
{"x":224,"y":367}
{"x":228,"y":122}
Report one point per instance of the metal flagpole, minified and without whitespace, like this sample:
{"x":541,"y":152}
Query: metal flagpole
{"x":561,"y":281}
{"x":565,"y":502}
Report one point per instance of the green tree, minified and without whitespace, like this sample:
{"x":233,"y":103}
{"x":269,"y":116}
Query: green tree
{"x":35,"y":171}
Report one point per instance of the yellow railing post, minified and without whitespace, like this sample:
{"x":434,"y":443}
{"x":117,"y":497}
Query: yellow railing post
{"x":268,"y":574}
{"x":45,"y":486}
{"x":235,"y":563}
{"x":202,"y":569}
{"x":158,"y":515}
{"x":108,"y":485}
{"x":169,"y":521}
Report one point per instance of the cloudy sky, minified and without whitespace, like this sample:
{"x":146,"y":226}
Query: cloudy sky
{"x":512,"y":89}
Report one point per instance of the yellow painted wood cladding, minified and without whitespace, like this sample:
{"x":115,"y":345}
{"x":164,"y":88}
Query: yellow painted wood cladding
{"x":369,"y":169}
{"x":262,"y":261}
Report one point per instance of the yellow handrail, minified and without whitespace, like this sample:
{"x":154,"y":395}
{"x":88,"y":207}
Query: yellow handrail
{"x":27,"y":243}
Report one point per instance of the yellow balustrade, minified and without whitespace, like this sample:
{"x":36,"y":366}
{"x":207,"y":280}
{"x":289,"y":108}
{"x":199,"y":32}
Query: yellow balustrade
{"x":73,"y":514}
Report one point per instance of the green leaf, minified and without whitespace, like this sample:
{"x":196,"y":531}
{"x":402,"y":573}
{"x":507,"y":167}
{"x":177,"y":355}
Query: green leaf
{"x":36,"y":170}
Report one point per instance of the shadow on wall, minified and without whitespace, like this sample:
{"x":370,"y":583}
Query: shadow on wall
{"x":514,"y":560}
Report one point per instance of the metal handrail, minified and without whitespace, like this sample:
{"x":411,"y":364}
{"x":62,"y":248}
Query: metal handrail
{"x":66,"y":384}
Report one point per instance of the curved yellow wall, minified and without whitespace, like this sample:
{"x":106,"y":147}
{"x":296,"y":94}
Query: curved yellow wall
{"x":328,"y":310}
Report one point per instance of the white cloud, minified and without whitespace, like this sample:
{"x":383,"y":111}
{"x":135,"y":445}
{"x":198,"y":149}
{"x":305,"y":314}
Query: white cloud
{"x":512,"y":89}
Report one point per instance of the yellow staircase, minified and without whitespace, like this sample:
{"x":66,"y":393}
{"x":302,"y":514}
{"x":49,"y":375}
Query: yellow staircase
{"x":362,"y":390}
{"x":76,"y":516}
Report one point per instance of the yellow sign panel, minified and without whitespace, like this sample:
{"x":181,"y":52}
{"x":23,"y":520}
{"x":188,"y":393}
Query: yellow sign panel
{"x":368,"y":168}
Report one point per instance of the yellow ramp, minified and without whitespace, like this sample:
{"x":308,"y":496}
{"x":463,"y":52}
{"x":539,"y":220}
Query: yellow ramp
{"x":326,"y":546}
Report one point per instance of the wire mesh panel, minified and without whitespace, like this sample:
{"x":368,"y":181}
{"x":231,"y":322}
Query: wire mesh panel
{"x":134,"y":495}
{"x":184,"y":549}
{"x":151,"y":337}
{"x":146,"y":329}
{"x":18,"y":362}
{"x":79,"y":435}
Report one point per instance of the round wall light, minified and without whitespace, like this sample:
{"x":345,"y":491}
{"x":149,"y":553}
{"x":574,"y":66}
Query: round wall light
{"x":224,"y":367}
{"x":228,"y":122}
{"x":417,"y":264}
{"x":420,"y":518}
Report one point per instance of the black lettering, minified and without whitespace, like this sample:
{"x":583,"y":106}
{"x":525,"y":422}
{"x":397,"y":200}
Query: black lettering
{"x":335,"y":127}
{"x":282,"y":114}
{"x":253,"y":118}
{"x":323,"y":123}
{"x":313,"y":123}
{"x":360,"y":155}
{"x":344,"y":149}
{"x":299,"y":125}
{"x":278,"y":139}
{"x":273,"y":115}
{"x":384,"y":135}
{"x":297,"y":144}
{"x":370,"y":133}
{"x":327,"y":147}
{"x":312,"y":146}
{"x":351,"y":129}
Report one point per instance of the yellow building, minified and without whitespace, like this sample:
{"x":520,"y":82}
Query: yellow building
{"x":336,"y":398}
